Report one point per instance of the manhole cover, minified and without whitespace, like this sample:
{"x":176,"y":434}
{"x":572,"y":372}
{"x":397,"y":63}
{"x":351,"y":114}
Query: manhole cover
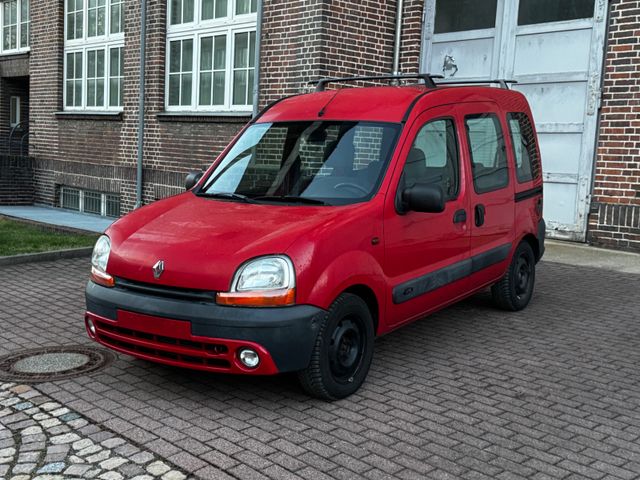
{"x":52,"y":363}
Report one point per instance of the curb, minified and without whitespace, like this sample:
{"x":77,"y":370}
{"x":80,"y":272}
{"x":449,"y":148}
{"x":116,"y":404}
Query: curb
{"x":45,"y":256}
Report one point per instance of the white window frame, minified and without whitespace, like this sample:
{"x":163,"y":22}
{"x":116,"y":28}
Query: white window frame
{"x":18,"y":118}
{"x":86,"y":43}
{"x":19,"y":23}
{"x":230,"y":25}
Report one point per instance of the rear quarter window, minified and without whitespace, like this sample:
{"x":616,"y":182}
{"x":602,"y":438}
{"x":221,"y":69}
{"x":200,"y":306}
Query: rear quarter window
{"x":525,"y":149}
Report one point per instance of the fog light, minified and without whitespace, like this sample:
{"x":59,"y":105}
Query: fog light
{"x":249,"y":357}
{"x":91,"y":327}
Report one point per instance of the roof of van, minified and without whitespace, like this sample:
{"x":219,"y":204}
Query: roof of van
{"x":382,"y":104}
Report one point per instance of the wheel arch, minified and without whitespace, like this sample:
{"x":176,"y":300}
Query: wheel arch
{"x":369,"y":297}
{"x":532,"y":240}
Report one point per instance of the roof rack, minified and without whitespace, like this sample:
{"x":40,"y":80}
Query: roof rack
{"x":502,"y":82}
{"x":426,"y":77}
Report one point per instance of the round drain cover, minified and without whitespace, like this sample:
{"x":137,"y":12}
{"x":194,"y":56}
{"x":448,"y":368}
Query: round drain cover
{"x":52,"y":363}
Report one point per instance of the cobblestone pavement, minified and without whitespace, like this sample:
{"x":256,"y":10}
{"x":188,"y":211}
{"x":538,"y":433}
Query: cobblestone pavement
{"x":471,"y":392}
{"x":43,"y":440}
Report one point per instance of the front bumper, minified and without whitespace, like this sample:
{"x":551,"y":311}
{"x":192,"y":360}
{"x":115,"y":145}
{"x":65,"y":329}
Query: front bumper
{"x":202,"y":335}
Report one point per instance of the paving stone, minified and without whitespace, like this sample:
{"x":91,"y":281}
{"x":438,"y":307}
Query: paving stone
{"x":56,"y":467}
{"x":113,"y":462}
{"x":65,"y":438}
{"x":158,"y":468}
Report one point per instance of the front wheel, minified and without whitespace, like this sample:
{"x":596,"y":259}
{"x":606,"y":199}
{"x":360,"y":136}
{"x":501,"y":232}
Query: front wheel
{"x":513,"y":292}
{"x":342,"y":354}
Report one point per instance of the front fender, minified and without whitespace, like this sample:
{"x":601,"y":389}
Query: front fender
{"x":343,"y":272}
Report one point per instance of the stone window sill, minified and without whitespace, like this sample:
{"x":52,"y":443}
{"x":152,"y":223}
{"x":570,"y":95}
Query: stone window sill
{"x":88,"y":115}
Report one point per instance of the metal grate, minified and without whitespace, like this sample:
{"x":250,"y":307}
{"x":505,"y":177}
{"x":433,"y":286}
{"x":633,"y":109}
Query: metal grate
{"x":89,"y":201}
{"x":113,"y":205}
{"x":93,"y":202}
{"x":70,"y":198}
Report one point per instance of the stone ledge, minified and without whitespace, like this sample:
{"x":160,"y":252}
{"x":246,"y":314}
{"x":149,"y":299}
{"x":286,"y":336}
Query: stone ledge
{"x":188,"y":117}
{"x":46,"y":256}
{"x":82,"y":115}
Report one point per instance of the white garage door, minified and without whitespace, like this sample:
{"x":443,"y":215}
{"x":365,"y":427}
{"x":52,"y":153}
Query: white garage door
{"x":554,"y":50}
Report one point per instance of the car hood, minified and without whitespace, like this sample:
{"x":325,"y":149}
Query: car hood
{"x":202,"y":241}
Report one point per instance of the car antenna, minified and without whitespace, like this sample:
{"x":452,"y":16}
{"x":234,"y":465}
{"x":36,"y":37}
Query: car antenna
{"x":323,"y":109}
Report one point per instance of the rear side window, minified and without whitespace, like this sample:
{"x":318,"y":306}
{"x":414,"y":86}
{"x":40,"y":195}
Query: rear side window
{"x":525,"y":150}
{"x":433,"y":158}
{"x":487,"y":149}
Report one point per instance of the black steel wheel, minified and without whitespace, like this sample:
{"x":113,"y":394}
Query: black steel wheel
{"x":514,"y":291}
{"x":343,"y":350}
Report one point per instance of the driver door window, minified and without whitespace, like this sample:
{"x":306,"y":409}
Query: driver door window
{"x":433,"y":158}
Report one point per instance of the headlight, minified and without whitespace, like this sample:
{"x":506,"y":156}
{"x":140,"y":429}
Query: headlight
{"x":262,"y":282}
{"x":266,"y":273}
{"x":99,"y":260}
{"x":100,"y":255}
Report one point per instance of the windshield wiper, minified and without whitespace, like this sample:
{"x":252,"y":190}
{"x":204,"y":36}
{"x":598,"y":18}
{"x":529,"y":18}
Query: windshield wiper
{"x":226,"y":196}
{"x":291,"y":199}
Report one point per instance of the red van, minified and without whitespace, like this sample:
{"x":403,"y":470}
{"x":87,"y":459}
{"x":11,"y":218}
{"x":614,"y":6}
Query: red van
{"x":332,"y":218}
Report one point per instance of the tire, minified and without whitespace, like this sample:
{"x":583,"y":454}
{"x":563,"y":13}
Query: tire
{"x":342,"y":354}
{"x":514,"y":291}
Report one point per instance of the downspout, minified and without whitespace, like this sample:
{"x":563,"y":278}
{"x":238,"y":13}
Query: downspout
{"x":143,"y":56}
{"x":256,"y":77}
{"x":396,"y":49}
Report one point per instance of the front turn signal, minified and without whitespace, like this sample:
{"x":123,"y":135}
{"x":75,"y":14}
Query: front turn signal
{"x":102,"y":278}
{"x":272,"y":298}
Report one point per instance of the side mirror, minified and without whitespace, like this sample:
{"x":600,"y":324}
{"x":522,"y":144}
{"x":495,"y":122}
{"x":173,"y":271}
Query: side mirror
{"x":192,"y":179}
{"x":424,"y":198}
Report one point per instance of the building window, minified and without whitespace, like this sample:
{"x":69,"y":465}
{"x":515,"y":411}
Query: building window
{"x":14,"y":111}
{"x":96,"y":44}
{"x":73,"y":81}
{"x":116,"y":16}
{"x":15,"y":26}
{"x":180,"y":72}
{"x":96,"y":17}
{"x":88,"y":201}
{"x":95,"y":78}
{"x":210,"y":55}
{"x":116,"y":76}
{"x":25,"y":24}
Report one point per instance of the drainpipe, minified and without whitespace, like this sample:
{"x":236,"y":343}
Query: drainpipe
{"x":256,"y":77}
{"x":396,"y":49}
{"x":143,"y":38}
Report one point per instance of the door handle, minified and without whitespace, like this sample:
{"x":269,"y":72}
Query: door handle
{"x":480,"y":211}
{"x":460,"y":216}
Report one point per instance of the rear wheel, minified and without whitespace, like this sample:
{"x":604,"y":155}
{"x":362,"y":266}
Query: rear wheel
{"x":513,"y":292}
{"x":343,"y":350}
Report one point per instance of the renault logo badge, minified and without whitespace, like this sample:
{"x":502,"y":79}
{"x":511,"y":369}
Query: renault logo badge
{"x":158,"y":268}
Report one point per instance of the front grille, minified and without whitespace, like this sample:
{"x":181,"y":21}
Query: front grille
{"x":166,"y":292}
{"x":194,"y":353}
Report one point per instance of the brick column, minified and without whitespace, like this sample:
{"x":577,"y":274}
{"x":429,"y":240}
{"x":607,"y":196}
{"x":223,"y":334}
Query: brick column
{"x":615,"y":218}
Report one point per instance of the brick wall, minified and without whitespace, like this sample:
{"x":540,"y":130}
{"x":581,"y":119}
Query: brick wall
{"x":306,"y":40}
{"x":302,"y":40}
{"x":16,"y":180}
{"x":615,"y":216}
{"x":99,"y":153}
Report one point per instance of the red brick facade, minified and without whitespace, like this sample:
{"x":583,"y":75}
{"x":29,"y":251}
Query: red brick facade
{"x":615,"y":218}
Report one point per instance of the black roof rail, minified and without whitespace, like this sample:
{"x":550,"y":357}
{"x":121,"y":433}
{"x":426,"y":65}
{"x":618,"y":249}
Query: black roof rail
{"x":501,"y":81}
{"x":426,"y":77}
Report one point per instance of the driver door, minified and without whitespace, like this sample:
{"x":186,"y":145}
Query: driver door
{"x":426,"y":254}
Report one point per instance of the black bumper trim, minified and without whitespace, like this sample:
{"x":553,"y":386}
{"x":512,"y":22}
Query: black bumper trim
{"x":542,"y":232}
{"x":288,"y":333}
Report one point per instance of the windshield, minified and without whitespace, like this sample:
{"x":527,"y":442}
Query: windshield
{"x":332,"y":163}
